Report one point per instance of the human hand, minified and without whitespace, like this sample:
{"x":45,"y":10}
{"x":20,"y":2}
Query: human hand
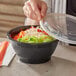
{"x":35,"y":9}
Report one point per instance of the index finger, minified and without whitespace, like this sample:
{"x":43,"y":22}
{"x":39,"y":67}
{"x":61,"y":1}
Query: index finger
{"x":43,"y":9}
{"x":35,"y":9}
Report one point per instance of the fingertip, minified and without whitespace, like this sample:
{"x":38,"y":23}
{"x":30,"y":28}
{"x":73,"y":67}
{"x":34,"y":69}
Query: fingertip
{"x":42,"y":14}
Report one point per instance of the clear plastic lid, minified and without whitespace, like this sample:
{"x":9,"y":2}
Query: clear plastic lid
{"x":60,"y":26}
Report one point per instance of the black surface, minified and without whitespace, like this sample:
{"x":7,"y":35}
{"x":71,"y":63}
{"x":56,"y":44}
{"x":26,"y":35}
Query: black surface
{"x":71,"y":7}
{"x":71,"y":10}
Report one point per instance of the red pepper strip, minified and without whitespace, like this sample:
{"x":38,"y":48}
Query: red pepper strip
{"x":38,"y":30}
{"x":16,"y":37}
{"x":21,"y":34}
{"x":45,"y":33}
{"x":31,"y":27}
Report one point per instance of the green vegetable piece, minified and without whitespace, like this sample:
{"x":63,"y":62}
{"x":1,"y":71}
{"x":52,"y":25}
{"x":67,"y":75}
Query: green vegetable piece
{"x":24,"y":39}
{"x":40,"y":40}
{"x":33,"y":39}
{"x":46,"y":38}
{"x":19,"y":39}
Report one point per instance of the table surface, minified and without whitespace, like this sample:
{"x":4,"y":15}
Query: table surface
{"x":63,"y":63}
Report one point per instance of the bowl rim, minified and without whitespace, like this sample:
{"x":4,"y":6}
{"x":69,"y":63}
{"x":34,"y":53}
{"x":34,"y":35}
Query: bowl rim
{"x":10,"y":38}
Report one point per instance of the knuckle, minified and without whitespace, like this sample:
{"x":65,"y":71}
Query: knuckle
{"x":23,"y":7}
{"x":25,"y":14}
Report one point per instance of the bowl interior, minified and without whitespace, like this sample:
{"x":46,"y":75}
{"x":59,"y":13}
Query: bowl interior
{"x":16,"y":30}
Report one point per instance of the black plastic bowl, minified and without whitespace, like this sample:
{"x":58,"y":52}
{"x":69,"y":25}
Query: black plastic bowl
{"x":31,"y":53}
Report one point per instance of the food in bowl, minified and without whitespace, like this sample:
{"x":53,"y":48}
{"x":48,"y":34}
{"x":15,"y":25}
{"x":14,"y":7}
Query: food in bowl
{"x":31,"y":52}
{"x":33,"y":35}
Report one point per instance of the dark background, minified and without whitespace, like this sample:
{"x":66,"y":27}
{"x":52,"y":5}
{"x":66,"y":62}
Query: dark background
{"x":71,"y":9}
